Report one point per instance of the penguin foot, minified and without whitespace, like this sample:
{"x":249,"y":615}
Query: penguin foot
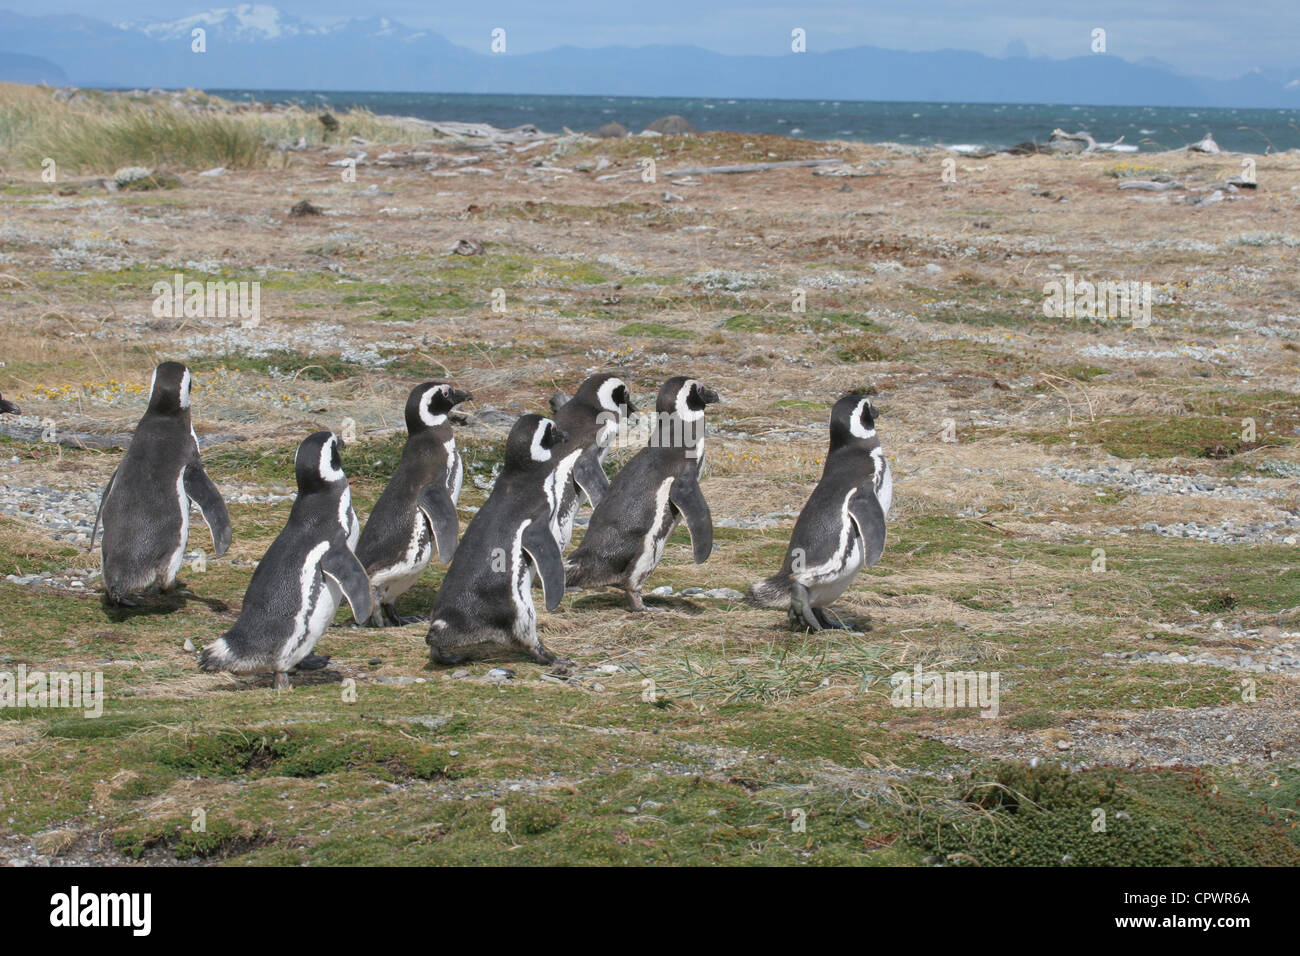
{"x":803,"y":616}
{"x":827,"y":622}
{"x":312,"y":662}
{"x":542,"y":655}
{"x":281,"y":680}
{"x":446,"y":660}
{"x":121,"y":600}
{"x":637,"y":605}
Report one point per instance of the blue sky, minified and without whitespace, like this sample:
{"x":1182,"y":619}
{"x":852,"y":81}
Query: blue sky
{"x":1205,"y":37}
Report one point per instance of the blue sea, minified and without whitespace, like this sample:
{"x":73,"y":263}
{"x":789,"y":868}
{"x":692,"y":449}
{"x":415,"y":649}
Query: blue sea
{"x":923,"y":124}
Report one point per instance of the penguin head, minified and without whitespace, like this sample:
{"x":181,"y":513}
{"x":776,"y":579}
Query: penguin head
{"x":169,"y":392}
{"x":606,"y":393}
{"x":532,"y":441}
{"x":684,"y":397}
{"x":319,"y":463}
{"x":7,"y":408}
{"x":853,"y":419}
{"x":429,"y":405}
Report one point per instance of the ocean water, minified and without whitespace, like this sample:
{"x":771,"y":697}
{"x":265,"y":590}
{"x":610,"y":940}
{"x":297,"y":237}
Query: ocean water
{"x":923,"y":124}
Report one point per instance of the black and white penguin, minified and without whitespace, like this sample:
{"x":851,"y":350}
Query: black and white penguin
{"x":8,"y":408}
{"x":591,"y":420}
{"x":145,"y":508}
{"x":842,"y":527}
{"x":418,"y":507}
{"x":656,"y":490}
{"x":485,"y":604}
{"x":298,"y":585}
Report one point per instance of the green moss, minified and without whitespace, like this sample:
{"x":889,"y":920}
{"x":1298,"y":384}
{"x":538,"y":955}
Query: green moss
{"x":655,"y":330}
{"x":1049,"y":816}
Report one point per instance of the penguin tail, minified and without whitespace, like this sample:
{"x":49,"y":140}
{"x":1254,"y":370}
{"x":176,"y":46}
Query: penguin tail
{"x":217,"y":656}
{"x":774,"y":592}
{"x":574,"y":573}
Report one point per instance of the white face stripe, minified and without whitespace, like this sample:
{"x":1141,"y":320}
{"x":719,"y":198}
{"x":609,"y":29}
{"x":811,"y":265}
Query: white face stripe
{"x":605,"y":395}
{"x":684,"y":410}
{"x":426,"y":416}
{"x":855,"y":422}
{"x":326,"y":467}
{"x":185,"y":389}
{"x":536,"y":450}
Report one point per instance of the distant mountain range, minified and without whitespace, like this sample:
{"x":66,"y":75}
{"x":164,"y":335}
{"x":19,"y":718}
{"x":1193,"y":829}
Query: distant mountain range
{"x":253,"y":46}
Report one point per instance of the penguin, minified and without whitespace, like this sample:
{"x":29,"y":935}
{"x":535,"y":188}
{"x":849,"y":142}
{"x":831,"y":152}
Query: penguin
{"x":485,"y":604}
{"x":8,"y":408}
{"x":655,"y":491}
{"x":842,"y":527}
{"x":308,"y":569}
{"x":145,"y":507}
{"x":418,"y":507}
{"x":591,"y":420}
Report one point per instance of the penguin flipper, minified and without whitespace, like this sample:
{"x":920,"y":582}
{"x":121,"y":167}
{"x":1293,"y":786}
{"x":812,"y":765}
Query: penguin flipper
{"x":869,"y":517}
{"x":100,"y":510}
{"x":343,"y":567}
{"x":201,"y":490}
{"x":438,"y":507}
{"x":591,"y":478}
{"x":688,"y":499}
{"x":541,"y":548}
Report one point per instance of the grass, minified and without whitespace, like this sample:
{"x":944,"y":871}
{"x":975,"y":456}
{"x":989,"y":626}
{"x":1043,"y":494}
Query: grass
{"x":709,"y":733}
{"x":106,"y":133}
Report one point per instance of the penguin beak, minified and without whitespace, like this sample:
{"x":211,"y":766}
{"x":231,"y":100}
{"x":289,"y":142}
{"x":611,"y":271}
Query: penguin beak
{"x":629,"y":407}
{"x":8,"y":407}
{"x":457,"y":396}
{"x":709,"y":396}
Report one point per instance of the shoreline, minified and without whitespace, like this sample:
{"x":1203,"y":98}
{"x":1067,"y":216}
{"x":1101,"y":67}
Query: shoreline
{"x":1146,"y":128}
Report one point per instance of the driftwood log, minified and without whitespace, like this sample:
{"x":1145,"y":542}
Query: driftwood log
{"x":751,"y":167}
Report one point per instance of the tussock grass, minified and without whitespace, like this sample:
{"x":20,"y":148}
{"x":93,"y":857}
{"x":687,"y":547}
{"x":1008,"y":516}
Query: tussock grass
{"x":101,"y":132}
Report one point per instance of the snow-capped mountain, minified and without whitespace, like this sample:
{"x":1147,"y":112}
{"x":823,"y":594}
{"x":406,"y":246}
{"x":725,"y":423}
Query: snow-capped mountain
{"x":245,"y":23}
{"x":259,"y":22}
{"x":253,"y":46}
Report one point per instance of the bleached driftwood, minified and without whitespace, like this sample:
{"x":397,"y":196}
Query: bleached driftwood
{"x":1150,"y":185}
{"x":752,"y":167}
{"x":484,"y":133}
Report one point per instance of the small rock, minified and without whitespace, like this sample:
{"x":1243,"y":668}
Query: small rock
{"x":500,"y":673}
